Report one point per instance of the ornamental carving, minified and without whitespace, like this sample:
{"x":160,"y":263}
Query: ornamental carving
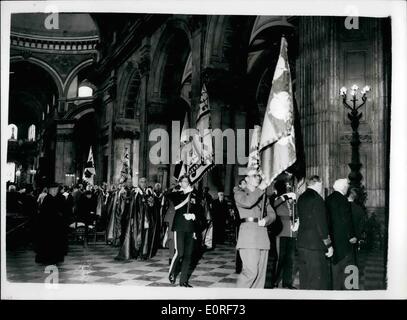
{"x":347,"y":138}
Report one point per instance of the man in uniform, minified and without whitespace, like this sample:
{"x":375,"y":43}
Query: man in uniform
{"x":185,"y":227}
{"x":283,"y":204}
{"x":253,"y":242}
{"x":313,"y":242}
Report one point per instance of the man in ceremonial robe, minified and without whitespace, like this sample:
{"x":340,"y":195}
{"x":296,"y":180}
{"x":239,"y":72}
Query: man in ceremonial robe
{"x":49,"y":241}
{"x":128,"y":247}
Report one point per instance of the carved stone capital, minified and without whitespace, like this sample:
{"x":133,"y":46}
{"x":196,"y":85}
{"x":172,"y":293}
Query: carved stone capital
{"x":347,"y":138}
{"x":121,"y":132}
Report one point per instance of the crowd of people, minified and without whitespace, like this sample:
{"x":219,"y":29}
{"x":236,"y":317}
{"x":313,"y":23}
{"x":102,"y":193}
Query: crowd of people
{"x":137,"y":220}
{"x":322,"y":234}
{"x":315,"y":236}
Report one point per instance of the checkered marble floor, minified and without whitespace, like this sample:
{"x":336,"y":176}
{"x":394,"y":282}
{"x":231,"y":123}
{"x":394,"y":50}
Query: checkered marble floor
{"x":95,"y":264}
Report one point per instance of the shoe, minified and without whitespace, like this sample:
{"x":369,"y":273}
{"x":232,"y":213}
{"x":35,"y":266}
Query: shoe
{"x":290,"y":287}
{"x":185,"y":284}
{"x":172,"y":278}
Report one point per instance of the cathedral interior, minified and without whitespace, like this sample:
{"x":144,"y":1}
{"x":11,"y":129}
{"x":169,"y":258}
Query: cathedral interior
{"x":106,"y":81}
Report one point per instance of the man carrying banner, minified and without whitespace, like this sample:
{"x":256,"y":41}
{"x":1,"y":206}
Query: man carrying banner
{"x":277,"y":147}
{"x":253,"y":242}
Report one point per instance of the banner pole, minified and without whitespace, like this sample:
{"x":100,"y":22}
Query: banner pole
{"x":263,"y":204}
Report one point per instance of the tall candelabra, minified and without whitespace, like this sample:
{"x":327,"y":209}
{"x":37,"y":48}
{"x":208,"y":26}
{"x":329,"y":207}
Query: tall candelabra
{"x":354,"y":116}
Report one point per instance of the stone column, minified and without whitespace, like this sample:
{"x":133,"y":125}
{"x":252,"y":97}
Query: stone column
{"x":144,"y":67}
{"x":64,"y":151}
{"x":317,"y":95}
{"x":220,"y":84}
{"x":332,"y":56}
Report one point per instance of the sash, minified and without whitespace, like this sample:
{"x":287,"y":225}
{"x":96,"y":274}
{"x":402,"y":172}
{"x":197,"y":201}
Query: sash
{"x":183,"y":203}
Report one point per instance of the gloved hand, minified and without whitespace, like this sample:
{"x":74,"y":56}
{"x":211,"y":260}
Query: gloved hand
{"x":189,"y":216}
{"x":295,"y":226}
{"x":291,"y":195}
{"x":262,"y":222}
{"x":330,"y":252}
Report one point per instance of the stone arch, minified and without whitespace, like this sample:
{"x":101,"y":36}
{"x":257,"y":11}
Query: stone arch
{"x":175,"y":28}
{"x":218,"y":40}
{"x":264,"y":22}
{"x":45,"y":66}
{"x":74,"y":72}
{"x":130,"y":94}
{"x":80,"y":111}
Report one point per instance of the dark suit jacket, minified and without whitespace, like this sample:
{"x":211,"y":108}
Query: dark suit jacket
{"x":313,"y":228}
{"x":340,"y":224}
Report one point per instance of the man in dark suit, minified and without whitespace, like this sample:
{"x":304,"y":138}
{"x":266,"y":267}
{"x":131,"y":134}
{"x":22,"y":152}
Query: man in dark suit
{"x":220,"y":211}
{"x":342,"y":232}
{"x":313,"y":242}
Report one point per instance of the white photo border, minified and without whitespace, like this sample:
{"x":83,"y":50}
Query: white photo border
{"x":397,"y":228}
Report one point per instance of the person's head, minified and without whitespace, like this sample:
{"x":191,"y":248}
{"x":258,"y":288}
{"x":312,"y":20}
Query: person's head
{"x":184,"y":181}
{"x":12,"y":188}
{"x":253,"y":180}
{"x":341,"y":185}
{"x":157,"y":187}
{"x":314,"y":182}
{"x":221,"y":195}
{"x":280,"y":186}
{"x":242,"y":183}
{"x":53,"y":190}
{"x":142,"y":183}
{"x":45,"y":190}
{"x":80,"y":186}
{"x":353,"y":194}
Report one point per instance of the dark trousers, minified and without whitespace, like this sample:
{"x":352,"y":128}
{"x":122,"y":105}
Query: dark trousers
{"x":338,"y":272}
{"x":314,"y":269}
{"x":285,"y":261}
{"x":182,"y":259}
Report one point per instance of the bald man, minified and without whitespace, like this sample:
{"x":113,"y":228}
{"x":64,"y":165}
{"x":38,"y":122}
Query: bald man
{"x":341,"y":231}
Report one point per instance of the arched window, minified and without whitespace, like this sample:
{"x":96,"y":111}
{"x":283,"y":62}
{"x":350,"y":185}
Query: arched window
{"x":12,"y":133}
{"x":85,"y":91}
{"x":10,"y":171}
{"x":31,"y":133}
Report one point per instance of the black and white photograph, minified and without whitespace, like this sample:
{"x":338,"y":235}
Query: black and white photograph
{"x":173,"y":150}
